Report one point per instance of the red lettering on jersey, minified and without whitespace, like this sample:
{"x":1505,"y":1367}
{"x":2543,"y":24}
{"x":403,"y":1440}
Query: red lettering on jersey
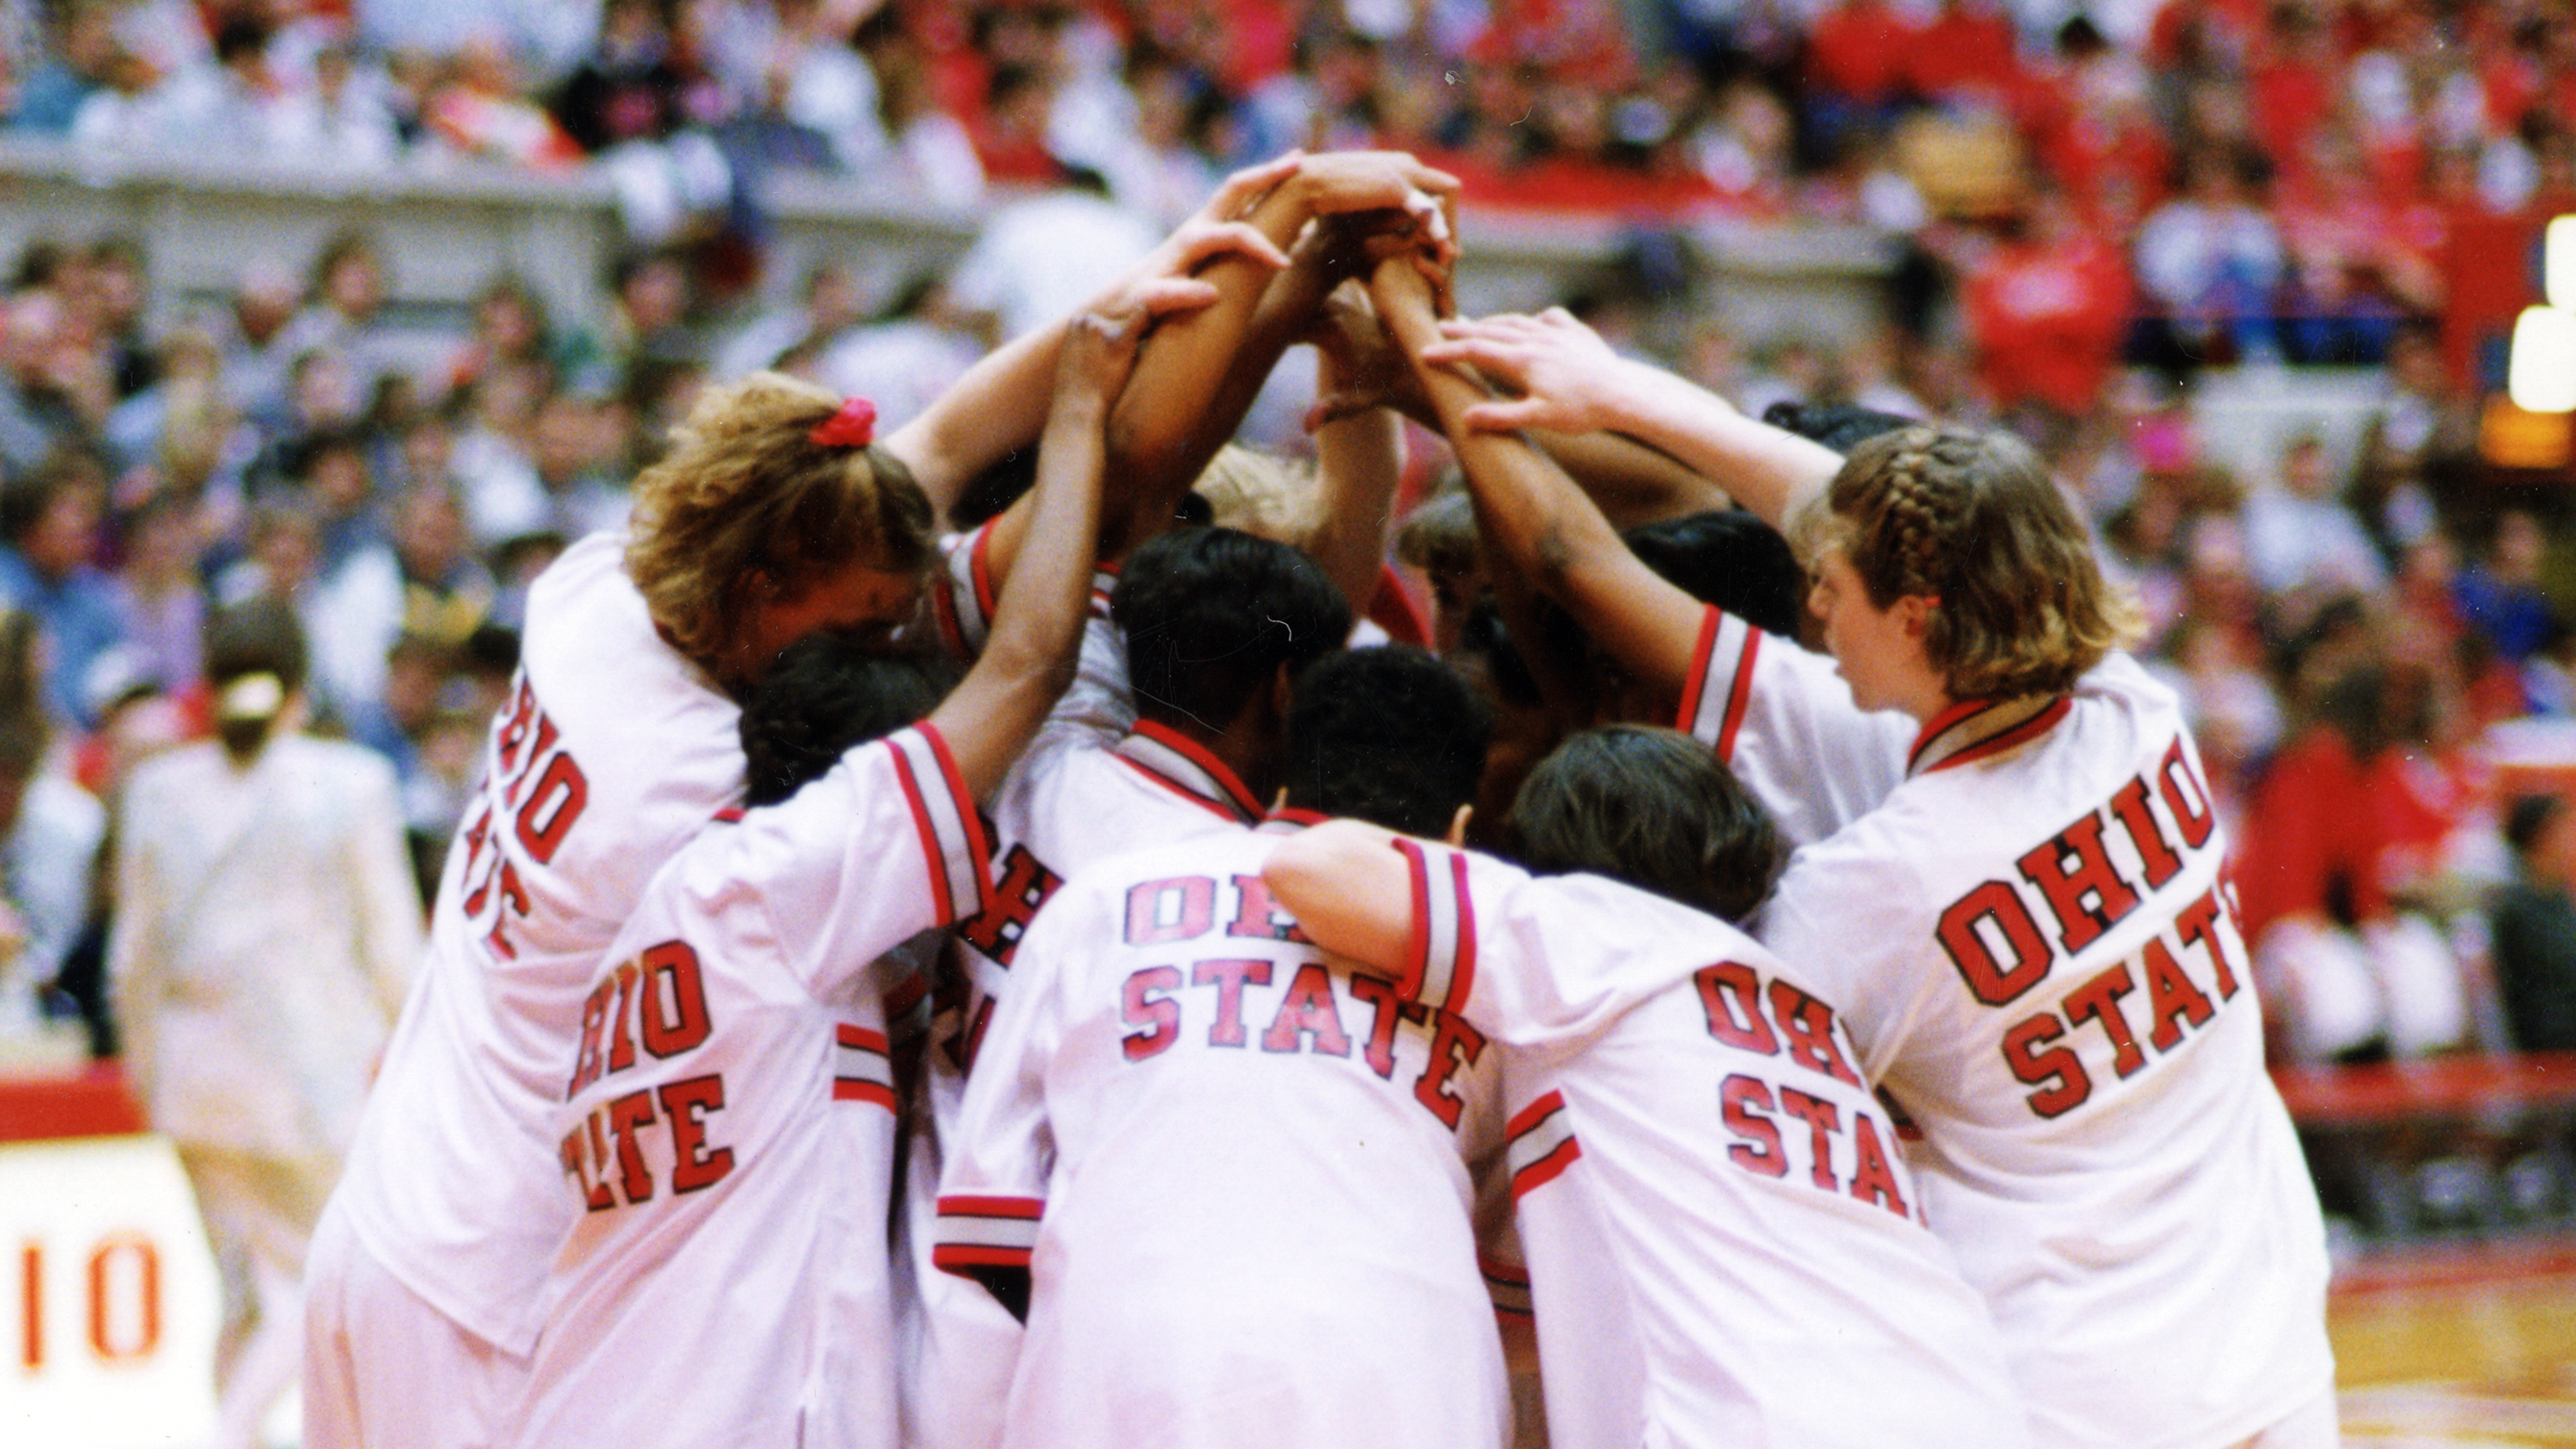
{"x":1160,"y":1015}
{"x":1811,"y":1029}
{"x":1307,"y":1009}
{"x":1455,"y":1044}
{"x":2098,"y":1000}
{"x":514,"y":727}
{"x":1259,"y":917}
{"x":588,"y":1063}
{"x":2175,"y":780}
{"x":567,"y":790}
{"x":474,"y":836}
{"x":2074,"y":872}
{"x":686,"y":1103}
{"x":2138,"y":820}
{"x":598,"y":1134}
{"x":672,"y":982}
{"x":1731,"y":993}
{"x":547,"y":734}
{"x":1963,"y":935}
{"x":626,"y":1115}
{"x":595,"y":1196}
{"x":2194,"y":925}
{"x":514,"y":902}
{"x":1873,"y":1175}
{"x":1024,"y":886}
{"x":2171,"y":998}
{"x":1383,"y":1015}
{"x":621,"y":1038}
{"x":1170,"y":910}
{"x":1228,"y":978}
{"x":1823,"y":1120}
{"x":2057,"y":1072}
{"x":1742,"y":1100}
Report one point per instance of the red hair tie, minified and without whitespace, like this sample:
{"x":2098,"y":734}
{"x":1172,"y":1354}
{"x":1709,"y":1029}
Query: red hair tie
{"x":854,"y":426}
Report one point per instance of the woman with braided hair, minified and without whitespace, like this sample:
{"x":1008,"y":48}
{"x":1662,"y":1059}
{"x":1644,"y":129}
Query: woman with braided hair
{"x":2018,"y":913}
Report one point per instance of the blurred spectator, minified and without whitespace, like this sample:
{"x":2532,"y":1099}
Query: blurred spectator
{"x":2048,"y":305}
{"x":828,"y":305}
{"x":344,"y":119}
{"x":160,"y":606}
{"x":904,"y":359}
{"x":1039,"y":258}
{"x":2300,"y":539}
{"x":2533,"y":927}
{"x":49,"y":522}
{"x":55,"y":391}
{"x":425,"y":579}
{"x":50,"y":833}
{"x":265,"y":933}
{"x":549,"y":35}
{"x":2503,"y":596}
{"x":2209,"y":261}
{"x":251,"y":333}
{"x":343,"y":315}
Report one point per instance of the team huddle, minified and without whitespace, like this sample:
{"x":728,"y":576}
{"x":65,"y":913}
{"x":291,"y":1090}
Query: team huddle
{"x":964,"y":941}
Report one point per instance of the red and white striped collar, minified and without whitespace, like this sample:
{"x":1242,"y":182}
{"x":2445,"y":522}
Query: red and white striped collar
{"x":1979,"y":729}
{"x":1186,"y":768}
{"x":1289,"y":819}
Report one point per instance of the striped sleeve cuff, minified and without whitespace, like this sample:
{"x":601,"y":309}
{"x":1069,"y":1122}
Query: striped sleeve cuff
{"x":1721,"y":681}
{"x":963,"y":600}
{"x":1541,"y":1144}
{"x":861,"y":1070}
{"x":952,"y":834}
{"x":1440,"y":959}
{"x":978,"y":1233}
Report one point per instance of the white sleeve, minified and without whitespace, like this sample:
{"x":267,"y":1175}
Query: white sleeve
{"x":884,"y":847}
{"x":1533,"y":961}
{"x":1855,"y":930}
{"x":962,"y":597}
{"x":1782,"y":720}
{"x":962,"y":601}
{"x":384,"y":893}
{"x":993,"y":1178}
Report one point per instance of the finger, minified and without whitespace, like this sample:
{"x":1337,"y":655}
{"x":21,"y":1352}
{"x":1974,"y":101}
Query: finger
{"x":1427,"y":213}
{"x":1476,"y":352}
{"x":1431,"y":178}
{"x":1206,"y":240}
{"x":1248,"y":184}
{"x":1170,"y":296}
{"x":1503,"y":417}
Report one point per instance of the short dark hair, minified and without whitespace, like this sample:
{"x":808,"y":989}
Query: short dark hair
{"x":1210,"y":614}
{"x":1389,"y":735}
{"x":824,"y":694}
{"x":1729,"y":558}
{"x":260,"y":635}
{"x":1653,"y":808}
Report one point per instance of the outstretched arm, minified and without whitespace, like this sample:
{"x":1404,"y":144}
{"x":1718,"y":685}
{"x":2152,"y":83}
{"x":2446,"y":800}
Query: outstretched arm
{"x":1530,"y":512}
{"x":1001,"y":402}
{"x":1359,"y":457}
{"x":1571,"y":381}
{"x":1350,"y":890}
{"x":993,"y":712}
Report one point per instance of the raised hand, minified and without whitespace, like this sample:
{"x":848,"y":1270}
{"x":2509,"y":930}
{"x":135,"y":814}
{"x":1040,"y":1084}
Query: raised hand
{"x":1566,"y":375}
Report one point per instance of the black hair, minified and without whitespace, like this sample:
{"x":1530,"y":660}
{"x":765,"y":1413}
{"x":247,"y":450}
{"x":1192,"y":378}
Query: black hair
{"x":824,"y":694}
{"x":1210,"y":615}
{"x":26,"y":497}
{"x":1653,"y":808}
{"x":1389,"y":735}
{"x":1729,"y":558}
{"x":2528,"y":816}
{"x":1839,"y":426}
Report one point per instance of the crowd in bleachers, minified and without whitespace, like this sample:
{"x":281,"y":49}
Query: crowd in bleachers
{"x":2175,"y":185}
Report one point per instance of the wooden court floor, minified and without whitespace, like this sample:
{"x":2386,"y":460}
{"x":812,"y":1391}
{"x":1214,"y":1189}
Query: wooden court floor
{"x":2468,"y":1346}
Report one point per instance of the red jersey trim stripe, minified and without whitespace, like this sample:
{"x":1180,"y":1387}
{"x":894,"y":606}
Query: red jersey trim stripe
{"x":1542,"y":1144}
{"x":861,"y":1071}
{"x":1720,"y":687}
{"x":1976,"y":729}
{"x":952,"y":834}
{"x":1167,"y":758}
{"x":1440,"y":962}
{"x":985,"y":1232}
{"x":961,"y":617}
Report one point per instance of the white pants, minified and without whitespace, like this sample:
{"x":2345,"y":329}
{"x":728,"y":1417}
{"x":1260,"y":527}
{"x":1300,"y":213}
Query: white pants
{"x":385,"y":1370}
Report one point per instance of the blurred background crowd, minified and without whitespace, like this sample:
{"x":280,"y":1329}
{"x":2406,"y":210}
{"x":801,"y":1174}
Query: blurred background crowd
{"x":2096,"y":207}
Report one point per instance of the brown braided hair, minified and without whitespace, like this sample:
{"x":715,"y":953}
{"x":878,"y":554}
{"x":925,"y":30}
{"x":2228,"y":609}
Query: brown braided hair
{"x":745,"y":489}
{"x":1973,"y":521}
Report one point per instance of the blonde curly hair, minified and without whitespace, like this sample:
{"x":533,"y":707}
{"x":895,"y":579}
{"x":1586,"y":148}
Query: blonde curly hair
{"x":744,"y":490}
{"x":1973,"y":521}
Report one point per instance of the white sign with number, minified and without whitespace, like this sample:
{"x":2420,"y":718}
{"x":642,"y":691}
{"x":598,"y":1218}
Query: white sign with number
{"x":111,"y":1293}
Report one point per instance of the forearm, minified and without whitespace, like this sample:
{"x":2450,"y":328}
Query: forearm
{"x":996,"y":408}
{"x":1629,"y":481}
{"x":1351,"y":892}
{"x":1769,"y":470}
{"x":1360,"y":463}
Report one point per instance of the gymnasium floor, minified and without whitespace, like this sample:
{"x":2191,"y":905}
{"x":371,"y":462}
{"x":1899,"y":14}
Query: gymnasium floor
{"x":2458,"y":1346}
